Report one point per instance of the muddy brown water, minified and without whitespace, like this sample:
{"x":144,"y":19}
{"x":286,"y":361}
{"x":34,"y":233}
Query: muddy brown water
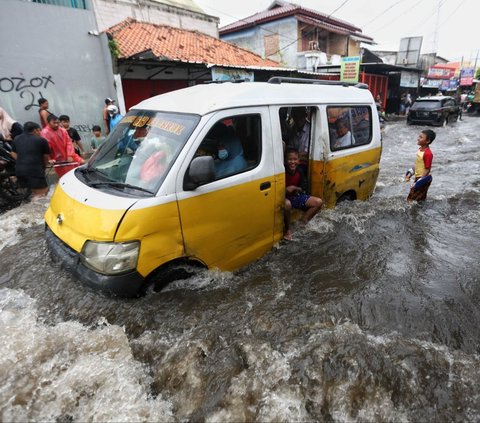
{"x":370,"y":314}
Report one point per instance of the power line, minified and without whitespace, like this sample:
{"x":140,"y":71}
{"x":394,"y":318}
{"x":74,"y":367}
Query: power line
{"x":382,"y":13}
{"x":398,"y":16}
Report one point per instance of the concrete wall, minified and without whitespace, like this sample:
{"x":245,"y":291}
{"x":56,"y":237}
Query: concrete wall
{"x":111,"y":12}
{"x":50,"y":54}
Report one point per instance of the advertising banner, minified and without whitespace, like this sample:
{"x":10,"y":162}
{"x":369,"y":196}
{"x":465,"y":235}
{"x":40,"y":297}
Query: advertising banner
{"x":223,"y":74}
{"x":409,"y":79}
{"x":466,"y":76}
{"x":432,"y":83}
{"x":439,"y":72}
{"x":450,"y":85}
{"x":349,"y":69}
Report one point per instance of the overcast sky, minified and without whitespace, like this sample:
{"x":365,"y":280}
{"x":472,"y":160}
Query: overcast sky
{"x":455,"y":30}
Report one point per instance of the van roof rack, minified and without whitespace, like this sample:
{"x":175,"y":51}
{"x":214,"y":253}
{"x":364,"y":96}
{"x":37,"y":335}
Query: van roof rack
{"x":280,"y":79}
{"x":223,"y":81}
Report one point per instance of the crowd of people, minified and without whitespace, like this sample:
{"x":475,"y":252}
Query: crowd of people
{"x":50,"y":143}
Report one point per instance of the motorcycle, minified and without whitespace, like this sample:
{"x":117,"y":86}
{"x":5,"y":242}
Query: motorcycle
{"x":11,"y":194}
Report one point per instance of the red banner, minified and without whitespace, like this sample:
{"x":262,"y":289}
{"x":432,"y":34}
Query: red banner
{"x":440,"y":72}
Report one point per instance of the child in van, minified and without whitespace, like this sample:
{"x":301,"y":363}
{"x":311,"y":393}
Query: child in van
{"x":296,"y":197}
{"x":423,"y":165}
{"x":97,"y":138}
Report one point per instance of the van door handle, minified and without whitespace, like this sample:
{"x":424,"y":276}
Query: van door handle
{"x":265,"y":185}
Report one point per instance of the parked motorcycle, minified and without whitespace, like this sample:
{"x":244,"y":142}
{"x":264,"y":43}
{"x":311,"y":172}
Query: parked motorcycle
{"x":11,"y":193}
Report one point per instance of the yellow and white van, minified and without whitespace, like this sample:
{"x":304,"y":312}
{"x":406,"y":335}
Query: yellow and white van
{"x":160,"y":192}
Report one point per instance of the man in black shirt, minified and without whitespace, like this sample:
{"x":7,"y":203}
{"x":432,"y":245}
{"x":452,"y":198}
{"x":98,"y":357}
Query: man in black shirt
{"x":72,"y":133}
{"x":32,"y":154}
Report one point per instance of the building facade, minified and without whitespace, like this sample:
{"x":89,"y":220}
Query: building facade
{"x":296,"y":37}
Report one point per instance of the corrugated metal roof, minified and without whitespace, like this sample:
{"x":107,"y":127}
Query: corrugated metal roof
{"x":174,"y":44}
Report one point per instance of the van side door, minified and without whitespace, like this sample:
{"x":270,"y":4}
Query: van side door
{"x":228,"y":221}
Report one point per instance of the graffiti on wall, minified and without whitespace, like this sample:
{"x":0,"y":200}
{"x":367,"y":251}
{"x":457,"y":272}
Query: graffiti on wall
{"x":28,"y":90}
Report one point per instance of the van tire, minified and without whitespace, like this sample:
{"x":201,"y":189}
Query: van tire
{"x":347,"y":196}
{"x":170,"y":272}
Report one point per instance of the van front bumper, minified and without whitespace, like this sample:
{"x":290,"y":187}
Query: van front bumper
{"x":123,"y":285}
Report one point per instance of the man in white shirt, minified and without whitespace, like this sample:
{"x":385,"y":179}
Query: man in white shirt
{"x":344,"y":136}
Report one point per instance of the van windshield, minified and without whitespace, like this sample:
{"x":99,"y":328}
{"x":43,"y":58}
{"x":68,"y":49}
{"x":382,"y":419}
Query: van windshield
{"x":140,"y":150}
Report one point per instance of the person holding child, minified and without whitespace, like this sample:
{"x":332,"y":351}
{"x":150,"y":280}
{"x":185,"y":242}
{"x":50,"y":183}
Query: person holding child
{"x":296,"y":197}
{"x":422,"y":169}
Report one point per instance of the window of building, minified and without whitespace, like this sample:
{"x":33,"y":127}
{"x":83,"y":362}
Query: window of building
{"x":349,"y":126}
{"x":235,"y":143}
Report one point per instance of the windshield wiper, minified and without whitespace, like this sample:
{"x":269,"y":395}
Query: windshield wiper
{"x":114,"y":184}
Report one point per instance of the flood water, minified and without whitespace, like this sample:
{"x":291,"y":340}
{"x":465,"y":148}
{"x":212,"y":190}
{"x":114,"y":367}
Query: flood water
{"x":370,"y":314}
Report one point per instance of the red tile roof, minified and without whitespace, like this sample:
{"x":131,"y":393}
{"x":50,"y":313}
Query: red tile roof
{"x":174,"y":44}
{"x":275,"y":12}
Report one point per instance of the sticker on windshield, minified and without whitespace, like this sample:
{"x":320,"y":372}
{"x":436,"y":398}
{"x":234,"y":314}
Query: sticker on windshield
{"x":166,"y":125}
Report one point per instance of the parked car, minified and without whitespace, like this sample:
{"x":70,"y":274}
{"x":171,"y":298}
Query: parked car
{"x":439,"y":111}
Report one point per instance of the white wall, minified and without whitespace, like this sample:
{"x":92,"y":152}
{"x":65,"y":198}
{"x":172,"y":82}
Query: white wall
{"x":111,"y":12}
{"x":50,"y":54}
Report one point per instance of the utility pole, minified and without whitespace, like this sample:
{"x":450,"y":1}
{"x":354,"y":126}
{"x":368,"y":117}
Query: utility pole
{"x":437,"y":25}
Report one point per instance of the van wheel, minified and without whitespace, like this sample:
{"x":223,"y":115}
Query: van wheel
{"x":347,"y":196}
{"x":162,"y":277}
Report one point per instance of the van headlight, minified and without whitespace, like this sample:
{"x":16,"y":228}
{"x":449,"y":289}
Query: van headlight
{"x":110,"y":258}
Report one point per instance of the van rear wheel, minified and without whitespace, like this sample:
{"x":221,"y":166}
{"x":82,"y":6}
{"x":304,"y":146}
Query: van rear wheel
{"x":347,"y":196}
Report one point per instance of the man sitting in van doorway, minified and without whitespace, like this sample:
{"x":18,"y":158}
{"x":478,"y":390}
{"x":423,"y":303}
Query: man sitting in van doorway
{"x":299,"y":138}
{"x":296,"y":196}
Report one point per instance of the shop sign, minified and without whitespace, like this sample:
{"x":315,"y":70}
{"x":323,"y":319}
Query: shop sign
{"x":349,"y":69}
{"x":466,"y":76}
{"x":439,"y":72}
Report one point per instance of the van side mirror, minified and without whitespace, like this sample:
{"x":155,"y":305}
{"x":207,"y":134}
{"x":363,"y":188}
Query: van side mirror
{"x":201,"y":171}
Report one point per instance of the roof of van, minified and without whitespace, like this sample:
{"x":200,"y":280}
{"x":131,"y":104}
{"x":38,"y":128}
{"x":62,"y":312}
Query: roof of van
{"x":206,"y":98}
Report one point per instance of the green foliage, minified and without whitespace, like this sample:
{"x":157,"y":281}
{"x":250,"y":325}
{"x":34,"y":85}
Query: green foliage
{"x":477,"y":74}
{"x":114,"y":50}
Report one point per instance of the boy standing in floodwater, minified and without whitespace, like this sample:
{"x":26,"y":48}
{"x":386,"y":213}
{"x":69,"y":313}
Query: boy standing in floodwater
{"x":423,"y":166}
{"x":296,"y":197}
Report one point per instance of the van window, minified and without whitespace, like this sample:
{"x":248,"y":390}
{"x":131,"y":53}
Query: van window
{"x":235,"y":143}
{"x":349,"y":126}
{"x":139,"y":152}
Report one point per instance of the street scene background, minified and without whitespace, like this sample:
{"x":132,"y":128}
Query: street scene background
{"x":370,"y":314}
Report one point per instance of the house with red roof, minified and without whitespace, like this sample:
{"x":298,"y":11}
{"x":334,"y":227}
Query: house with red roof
{"x":154,"y":59}
{"x":296,"y":36}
